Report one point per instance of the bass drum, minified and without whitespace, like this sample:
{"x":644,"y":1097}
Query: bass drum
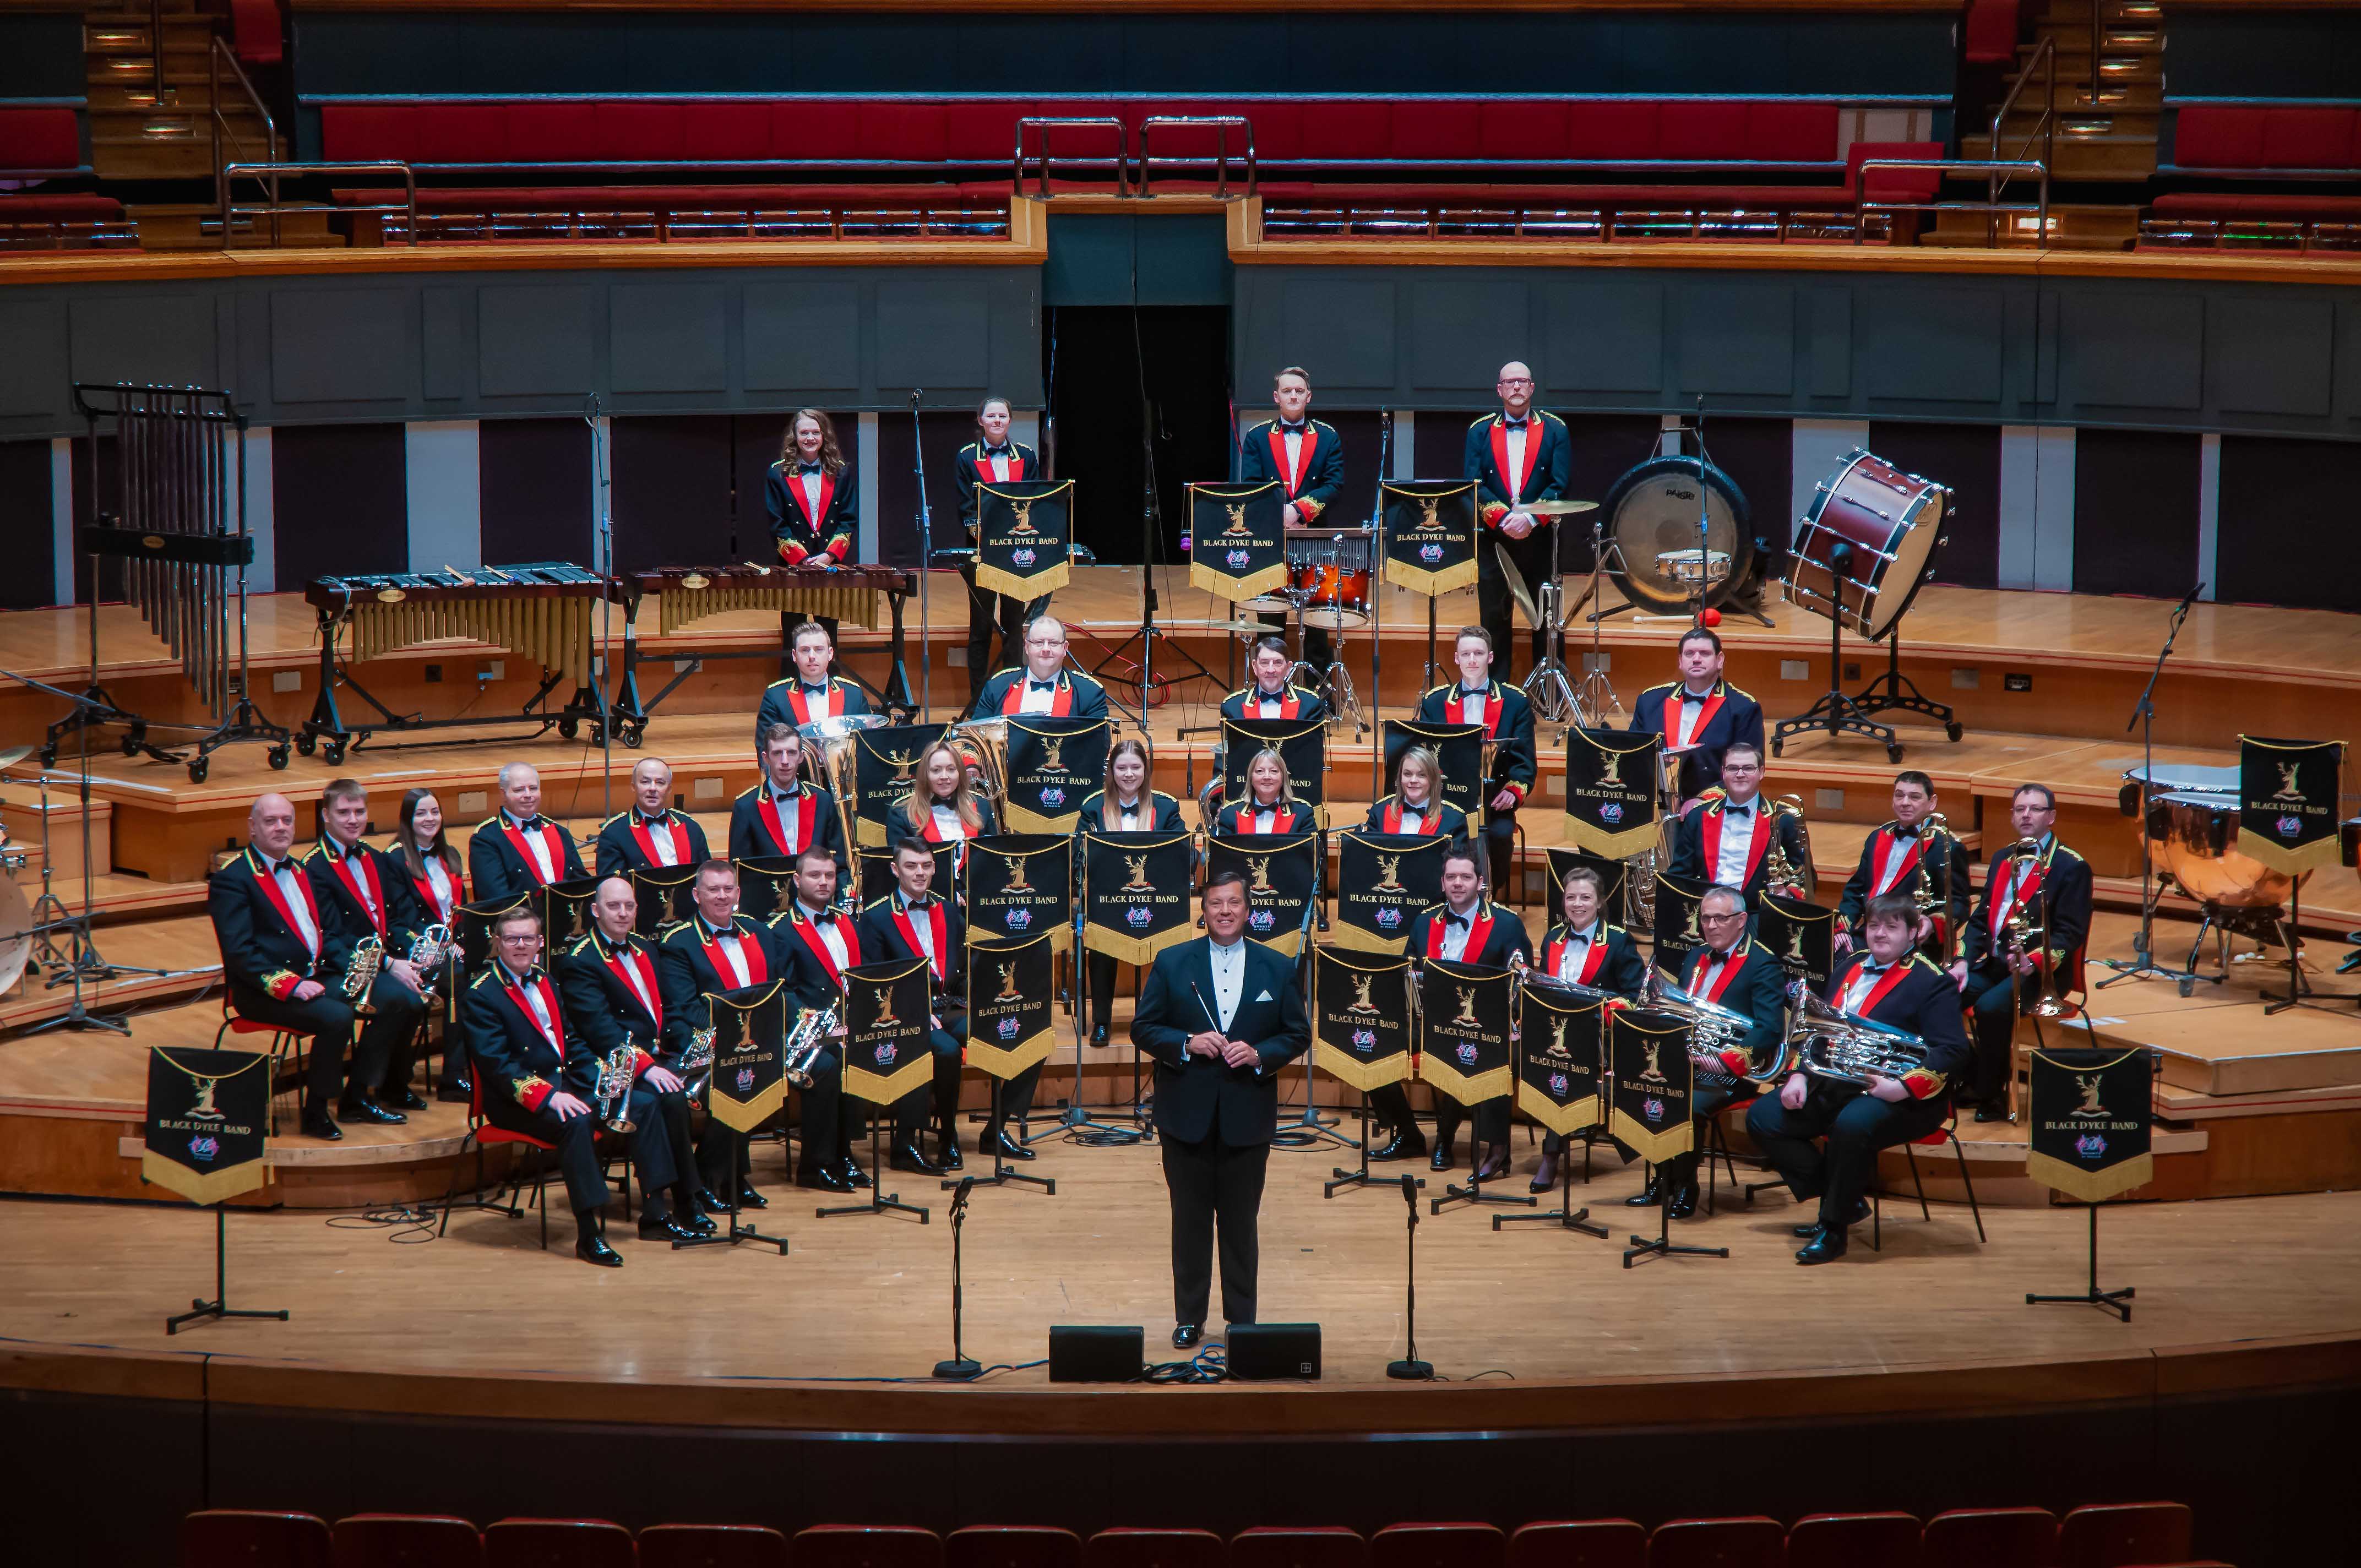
{"x":1885,"y":525}
{"x":1652,"y":518}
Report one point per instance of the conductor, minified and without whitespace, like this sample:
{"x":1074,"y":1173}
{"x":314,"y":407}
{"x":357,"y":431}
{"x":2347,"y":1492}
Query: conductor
{"x":1219,"y":1015}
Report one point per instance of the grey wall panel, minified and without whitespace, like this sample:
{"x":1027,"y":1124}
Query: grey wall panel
{"x":1341,"y":328}
{"x":803,"y":335}
{"x":1828,"y":312}
{"x":535,"y":339}
{"x":1598,"y":335}
{"x":930,"y":332}
{"x":2345,"y":390}
{"x":1934,"y":345}
{"x":668,"y":338}
{"x":1737,"y":338}
{"x":446,"y":343}
{"x":2122,"y":348}
{"x":161,"y":336}
{"x":2269,"y":355}
{"x":1463,"y":331}
{"x":343,"y":344}
{"x":33,"y":367}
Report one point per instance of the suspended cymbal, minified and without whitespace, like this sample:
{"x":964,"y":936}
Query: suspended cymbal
{"x":15,"y":754}
{"x":1558,"y":509}
{"x":1243,"y":627}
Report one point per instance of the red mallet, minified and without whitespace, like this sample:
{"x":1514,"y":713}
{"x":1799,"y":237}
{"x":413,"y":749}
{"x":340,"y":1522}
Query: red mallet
{"x":1709,"y":618}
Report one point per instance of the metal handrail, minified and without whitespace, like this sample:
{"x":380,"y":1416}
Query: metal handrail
{"x":270,"y":174}
{"x":1122,"y":148}
{"x":2045,"y":60}
{"x":1221,"y":124}
{"x":156,"y":48}
{"x":1862,"y":205}
{"x":213,"y":60}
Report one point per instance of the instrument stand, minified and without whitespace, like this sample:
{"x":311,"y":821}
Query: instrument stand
{"x":1567,"y":1216}
{"x":1474,"y":1192}
{"x":2116,"y":1301}
{"x":1335,"y":684}
{"x":880,"y":1200}
{"x":1076,"y":1115}
{"x":1547,"y":684}
{"x":2300,"y":992}
{"x":742,"y":1168}
{"x":1359,"y":1177}
{"x":219,"y":1305}
{"x":2143,"y":965}
{"x":959,"y":1368}
{"x":1428,"y":680}
{"x":925,"y":571}
{"x":1836,"y":712}
{"x":1894,"y":692}
{"x":1662,"y":1243}
{"x":1003,"y":1173}
{"x":1595,"y":698}
{"x":1410,"y":1369}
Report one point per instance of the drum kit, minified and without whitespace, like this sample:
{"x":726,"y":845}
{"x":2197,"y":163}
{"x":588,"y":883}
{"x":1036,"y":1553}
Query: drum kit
{"x":1330,"y":587}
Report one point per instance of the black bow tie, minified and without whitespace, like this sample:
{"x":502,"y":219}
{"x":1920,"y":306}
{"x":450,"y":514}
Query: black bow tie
{"x":1261,"y":696}
{"x":1905,"y":832}
{"x":1049,"y":685}
{"x":1466,"y":692}
{"x":1296,"y":429}
{"x":1875,"y":969}
{"x":1728,"y":810}
{"x":824,"y":918}
{"x":1578,"y":935}
{"x":530,"y":825}
{"x":1517,"y":423}
{"x":1467,"y":920}
{"x":807,"y":468}
{"x":996,"y":451}
{"x":658,"y":820}
{"x":811,"y":690}
{"x":918,"y":904}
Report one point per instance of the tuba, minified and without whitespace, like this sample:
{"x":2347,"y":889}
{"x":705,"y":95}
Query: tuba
{"x":804,"y":1043}
{"x":614,"y":1090}
{"x":988,"y":740}
{"x":1828,"y":1042}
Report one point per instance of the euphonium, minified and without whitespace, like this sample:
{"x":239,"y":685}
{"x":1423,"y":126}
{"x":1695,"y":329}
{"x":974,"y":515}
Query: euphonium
{"x":1828,"y":1042}
{"x":614,"y":1090}
{"x":1713,"y":1027}
{"x":360,"y":973}
{"x":804,"y":1043}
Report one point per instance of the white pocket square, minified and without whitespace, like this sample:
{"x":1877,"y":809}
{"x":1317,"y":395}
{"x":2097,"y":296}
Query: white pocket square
{"x":1264,"y":997}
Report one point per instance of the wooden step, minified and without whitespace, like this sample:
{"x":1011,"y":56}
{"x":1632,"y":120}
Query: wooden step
{"x":2082,"y":157}
{"x":196,"y":225}
{"x":21,"y":814}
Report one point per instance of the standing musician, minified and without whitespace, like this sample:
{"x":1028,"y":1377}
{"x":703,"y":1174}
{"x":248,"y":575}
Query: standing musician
{"x":1271,"y":805}
{"x":1727,"y":841}
{"x":1269,"y":695}
{"x":1905,"y":856}
{"x":1886,"y":984}
{"x":364,"y":891}
{"x":1467,"y":928}
{"x":425,"y":852}
{"x":1515,"y":456}
{"x":1730,"y":970}
{"x":992,"y":459}
{"x":1219,"y":1015}
{"x":1585,"y":948}
{"x":814,"y":498}
{"x":811,"y":693}
{"x":1306,"y":458}
{"x":609,"y":990}
{"x":1700,"y":713}
{"x":786,"y":814}
{"x":518,"y":850}
{"x":714,"y":951}
{"x":1042,"y":684}
{"x":1508,"y":719}
{"x":817,"y":942}
{"x":1126,"y":805}
{"x":1417,"y":805}
{"x":284,"y":958}
{"x":911,"y":922}
{"x":650,"y":836}
{"x":2050,"y":887}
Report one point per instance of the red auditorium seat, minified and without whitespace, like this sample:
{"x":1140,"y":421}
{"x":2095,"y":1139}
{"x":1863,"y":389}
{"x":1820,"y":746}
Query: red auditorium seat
{"x":867,"y":1546}
{"x":1579,"y":1543}
{"x":1611,"y":131}
{"x":1439,"y":1546}
{"x":558,"y":1543}
{"x":407,"y":1540}
{"x":39,"y":141}
{"x":2112,"y":1535}
{"x":712,"y":1546}
{"x":1990,"y":1538}
{"x":1854,"y":1540}
{"x":243,"y":1538}
{"x":1990,"y":32}
{"x":1012,"y":1546}
{"x":254,"y":31}
{"x":545,"y":133}
{"x":730,"y":131}
{"x":1154,"y":1549}
{"x":1321,"y":1546}
{"x":1752,"y":1542}
{"x":2265,"y":138}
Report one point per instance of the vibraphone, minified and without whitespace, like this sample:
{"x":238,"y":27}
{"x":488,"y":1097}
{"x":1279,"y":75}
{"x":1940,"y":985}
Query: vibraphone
{"x":686,"y":595}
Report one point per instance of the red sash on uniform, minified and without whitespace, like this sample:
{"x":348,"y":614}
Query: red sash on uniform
{"x":679,"y":831}
{"x":425,"y":885}
{"x":803,"y":502}
{"x":556,"y":1033}
{"x":1249,"y":814}
{"x":1061,"y":701}
{"x":1878,"y":843}
{"x":750,"y":952}
{"x":2003,"y":902}
{"x":279,"y":902}
{"x":1429,"y":820}
{"x":805,"y":820}
{"x":1455,"y":708}
{"x":646,"y":970}
{"x":555,"y":845}
{"x":800,"y":704}
{"x":1304,"y":448}
{"x":375,"y":902}
{"x":1592,"y":962}
{"x":1886,"y":983}
{"x":1479,"y":927}
{"x":1515,"y":483}
{"x":811,"y":937}
{"x":1705,"y":711}
{"x":938,"y":926}
{"x":1730,"y":965}
{"x":931,"y":830}
{"x":1765,"y":828}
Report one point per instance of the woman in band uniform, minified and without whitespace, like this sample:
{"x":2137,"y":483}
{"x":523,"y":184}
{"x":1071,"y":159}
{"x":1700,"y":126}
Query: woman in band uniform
{"x":814,"y":498}
{"x":1271,"y":805}
{"x":1126,"y":805}
{"x":1585,"y":948}
{"x":435,"y":869}
{"x":1417,"y":805}
{"x":943,"y":805}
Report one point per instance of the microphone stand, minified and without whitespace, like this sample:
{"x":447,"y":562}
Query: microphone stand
{"x":926,"y":558}
{"x":2143,"y":965}
{"x":958,"y":1368}
{"x":1410,"y":1369}
{"x":602,"y":531}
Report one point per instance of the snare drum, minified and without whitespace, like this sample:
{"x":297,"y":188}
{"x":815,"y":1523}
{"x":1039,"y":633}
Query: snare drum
{"x":1890,"y":520}
{"x":1331,"y":580}
{"x":1682,"y":566}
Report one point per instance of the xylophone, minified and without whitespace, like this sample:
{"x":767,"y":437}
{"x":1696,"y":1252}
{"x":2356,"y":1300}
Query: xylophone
{"x":689,"y":593}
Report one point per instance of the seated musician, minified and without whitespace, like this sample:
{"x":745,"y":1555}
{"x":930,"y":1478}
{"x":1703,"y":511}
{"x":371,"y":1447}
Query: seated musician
{"x":2044,"y":885}
{"x":1886,"y":984}
{"x":1128,"y":805}
{"x":1269,"y":695}
{"x":518,"y":850}
{"x":1734,"y":971}
{"x":1417,"y":805}
{"x":1271,"y":805}
{"x":611,"y":995}
{"x":1896,"y":859}
{"x":364,"y":891}
{"x":424,"y":851}
{"x":816,"y":943}
{"x":1042,"y":684}
{"x":1508,"y":719}
{"x":1467,"y":928}
{"x":944,"y":805}
{"x":283,"y":961}
{"x":991,"y":458}
{"x":716,"y":950}
{"x":1585,"y":948}
{"x":651,"y":836}
{"x":786,"y":814}
{"x":1700,"y":713}
{"x":1306,"y":458}
{"x":912,"y":922}
{"x":811,"y":693}
{"x":1728,"y":840}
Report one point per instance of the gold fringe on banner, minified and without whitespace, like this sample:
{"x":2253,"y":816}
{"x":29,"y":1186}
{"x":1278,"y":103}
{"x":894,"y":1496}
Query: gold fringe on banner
{"x":1593,"y":839}
{"x":213,"y":1186}
{"x":2089,"y":1185}
{"x":745,"y":1116}
{"x":1653,"y":1146}
{"x":987,"y":1057}
{"x":1563,"y":1119}
{"x":1469,"y":1088}
{"x":1020,"y":820}
{"x":1126,"y":948}
{"x":1049,"y":579}
{"x":869,"y":834}
{"x":1341,"y":1066}
{"x":1353,"y":939}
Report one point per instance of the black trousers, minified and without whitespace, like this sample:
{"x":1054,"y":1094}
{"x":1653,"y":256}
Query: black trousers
{"x":1214,"y":1184}
{"x":988,"y":611}
{"x":390,"y":1034}
{"x":938,"y":1099}
{"x":1499,"y":848}
{"x":1015,"y":1100}
{"x":576,"y":1141}
{"x":328,"y":1019}
{"x":1994,"y":994}
{"x":661,"y":1146}
{"x":1496,"y":605}
{"x":1390,"y":1103}
{"x":1856,"y":1125}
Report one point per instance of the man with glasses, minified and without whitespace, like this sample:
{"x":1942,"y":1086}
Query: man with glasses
{"x":1517,"y":456}
{"x":1727,"y":841}
{"x":1042,"y":684}
{"x":2049,"y":885}
{"x":1734,"y":971}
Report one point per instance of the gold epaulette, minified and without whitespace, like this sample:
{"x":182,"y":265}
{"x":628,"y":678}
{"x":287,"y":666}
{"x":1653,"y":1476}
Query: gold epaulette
{"x":491,"y":821}
{"x":617,"y":818}
{"x":2059,"y":847}
{"x":1663,"y":686}
{"x":883,"y":898}
{"x":1481,"y":418}
{"x":664,"y":932}
{"x":1732,"y":689}
{"x":781,"y":680}
{"x":1511,"y":686}
{"x":477,"y":983}
{"x":752,"y":789}
{"x":576,"y":945}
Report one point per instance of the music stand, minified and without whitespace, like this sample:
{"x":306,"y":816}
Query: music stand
{"x":664,"y":896}
{"x":1567,"y":1216}
{"x":760,"y":881}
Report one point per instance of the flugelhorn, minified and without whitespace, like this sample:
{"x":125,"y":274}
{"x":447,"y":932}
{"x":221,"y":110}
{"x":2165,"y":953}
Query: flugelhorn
{"x":616,"y":1072}
{"x":360,"y":973}
{"x":804,"y":1044}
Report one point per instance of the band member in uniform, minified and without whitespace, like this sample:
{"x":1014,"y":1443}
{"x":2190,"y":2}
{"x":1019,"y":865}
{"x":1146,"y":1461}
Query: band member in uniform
{"x":440,"y":886}
{"x":1306,"y":458}
{"x":1271,"y":805}
{"x":814,"y":498}
{"x":1417,"y":805}
{"x":1727,"y":841}
{"x":1219,"y":1015}
{"x":1128,"y":805}
{"x":1730,"y":970}
{"x":911,"y":922}
{"x":1507,"y":716}
{"x":1467,"y":928}
{"x":1585,"y":948}
{"x":651,"y":836}
{"x":944,"y":805}
{"x":1896,"y":859}
{"x":1700,"y":713}
{"x":786,"y":815}
{"x":1515,"y":456}
{"x":1042,"y":684}
{"x":714,"y":951}
{"x":1995,"y":973}
{"x":992,"y":459}
{"x":365,"y":893}
{"x":283,"y":961}
{"x":811,"y":693}
{"x":1886,"y":984}
{"x":1269,"y":695}
{"x":612,"y":995}
{"x":820,"y":941}
{"x":518,"y":850}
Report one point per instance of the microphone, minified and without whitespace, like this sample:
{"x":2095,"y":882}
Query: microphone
{"x":2191,"y":597}
{"x":1409,"y":1192}
{"x":915,"y":393}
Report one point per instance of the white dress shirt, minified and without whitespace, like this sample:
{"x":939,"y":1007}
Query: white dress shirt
{"x":360,"y":886}
{"x":1037,"y":698}
{"x":995,"y":464}
{"x":922,"y":925}
{"x":1516,"y":447}
{"x":1472,"y":706}
{"x":438,"y":877}
{"x":734,"y":968}
{"x":1262,"y":705}
{"x":810,"y":482}
{"x":1413,"y":818}
{"x":1454,"y":933}
{"x":1229,"y":979}
{"x":535,"y":1009}
{"x":633,"y":978}
{"x":292,"y":888}
{"x":1577,"y":951}
{"x":831,"y":934}
{"x":660,"y":840}
{"x":790,"y":808}
{"x":1898,"y":844}
{"x":1865,"y":981}
{"x":1130,"y":812}
{"x":947,"y":821}
{"x":1692,"y":705}
{"x":1738,"y":827}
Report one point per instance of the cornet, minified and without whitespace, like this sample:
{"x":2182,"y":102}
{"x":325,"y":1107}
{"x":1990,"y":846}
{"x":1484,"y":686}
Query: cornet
{"x":368,"y":955}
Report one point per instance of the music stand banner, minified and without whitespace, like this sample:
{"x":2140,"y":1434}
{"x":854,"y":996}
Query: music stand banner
{"x":1361,"y":1031}
{"x":1024,"y":536}
{"x":664,"y":896}
{"x":885,"y":761}
{"x":1613,"y":876}
{"x":471,"y":926}
{"x":1009,"y":988}
{"x":1135,"y":891}
{"x":876,"y":868}
{"x":763,"y":885}
{"x":887,"y":1049}
{"x":2288,"y":803}
{"x":750,"y":1032}
{"x":2091,"y":1121}
{"x":1610,"y":791}
{"x":1800,"y":934}
{"x":1052,"y":764}
{"x":1677,"y":933}
{"x":1430,"y":528}
{"x":566,"y":910}
{"x":1458,"y":747}
{"x":1238,"y":535}
{"x":1017,"y":886}
{"x":1558,"y":1057}
{"x":1302,"y":744}
{"x":1650,"y":1082}
{"x":1464,"y":1018}
{"x":1283,"y":873}
{"x":207,"y":1112}
{"x":1383,"y":881}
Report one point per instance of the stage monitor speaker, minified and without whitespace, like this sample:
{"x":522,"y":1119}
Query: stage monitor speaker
{"x":1274,"y":1350}
{"x":1095,"y":1353}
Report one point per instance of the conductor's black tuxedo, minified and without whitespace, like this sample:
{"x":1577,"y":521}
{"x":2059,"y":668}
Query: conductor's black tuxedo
{"x":502,"y":867}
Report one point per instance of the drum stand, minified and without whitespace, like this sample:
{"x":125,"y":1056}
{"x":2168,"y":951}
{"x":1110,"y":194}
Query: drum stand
{"x":1595,"y":698}
{"x":1547,"y":684}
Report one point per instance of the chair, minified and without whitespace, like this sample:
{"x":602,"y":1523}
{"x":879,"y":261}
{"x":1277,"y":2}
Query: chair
{"x":1579,"y":1543}
{"x":1948,"y":1132}
{"x":407,"y":1540}
{"x":558,"y":1543}
{"x":253,"y":1538}
{"x":712,"y":1546}
{"x":1011,"y":1546}
{"x":867,"y":1546}
{"x":286,"y":1046}
{"x":1989,"y":1537}
{"x":1749,"y":1542}
{"x":1854,"y":1540}
{"x":1439,"y":1546}
{"x":1154,"y":1549}
{"x":2112,"y":1535}
{"x":1716,"y":1147}
{"x":1316,"y":1546}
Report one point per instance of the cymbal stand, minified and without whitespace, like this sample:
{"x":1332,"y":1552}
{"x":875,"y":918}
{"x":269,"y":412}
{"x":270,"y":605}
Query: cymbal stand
{"x":1595,"y":698}
{"x":1547,"y":685}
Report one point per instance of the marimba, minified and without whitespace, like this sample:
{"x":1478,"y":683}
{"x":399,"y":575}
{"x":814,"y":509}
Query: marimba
{"x":685,"y":595}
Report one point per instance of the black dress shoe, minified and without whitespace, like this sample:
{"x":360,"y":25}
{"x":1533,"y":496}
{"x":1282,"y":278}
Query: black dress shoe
{"x":708,"y":1202}
{"x":593,"y":1248}
{"x":1649,"y":1196}
{"x":749,"y":1199}
{"x":826,"y":1181}
{"x":1408,"y":1143}
{"x":1827,"y":1248}
{"x":1492,"y":1164}
{"x":852,"y":1173}
{"x":1099,"y":1035}
{"x":910,"y":1158}
{"x":946,"y":1155}
{"x":452,"y":1094}
{"x":1860,"y":1212}
{"x":1994,"y":1112}
{"x":1809,"y":1232}
{"x":1188,"y":1335}
{"x":665,"y":1228}
{"x":1684,"y":1202}
{"x":1441,"y":1158}
{"x":316,"y":1124}
{"x":1546,"y":1176}
{"x":1004,"y":1145}
{"x":409,"y":1099}
{"x":695,"y":1223}
{"x":369,"y":1111}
